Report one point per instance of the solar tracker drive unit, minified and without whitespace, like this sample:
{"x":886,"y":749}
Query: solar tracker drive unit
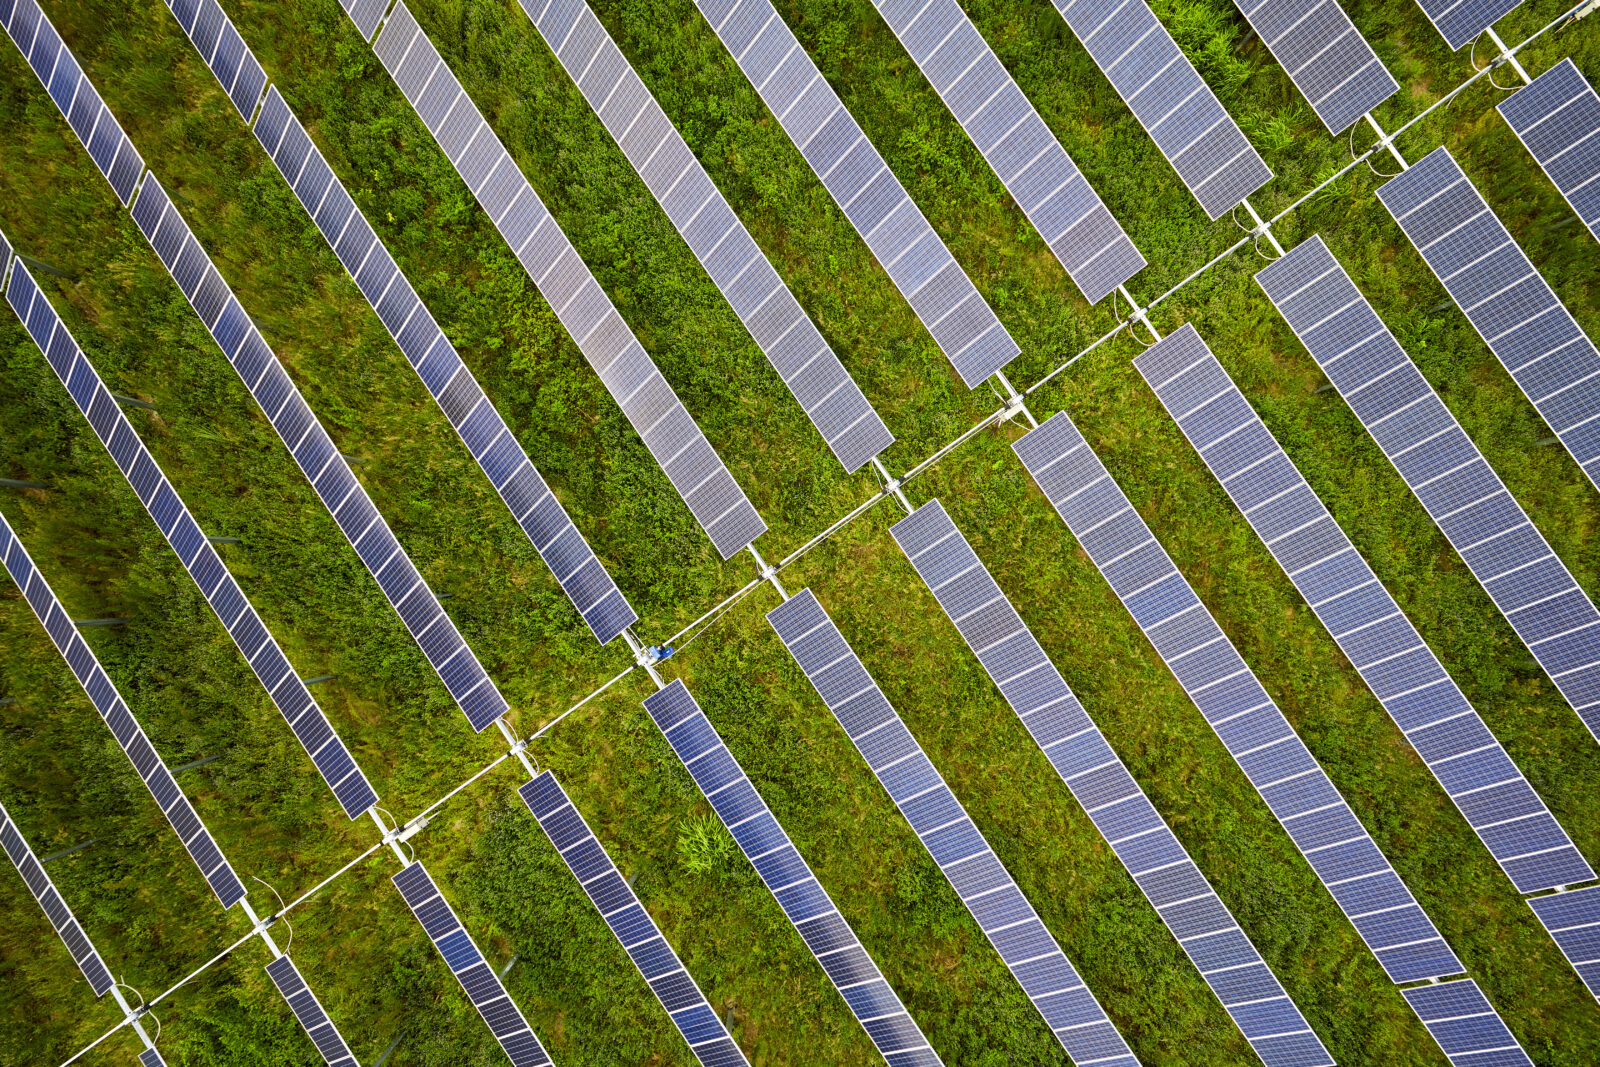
{"x":1100,"y":782}
{"x":250,"y":635}
{"x":744,"y":276}
{"x":1391,"y":657}
{"x":1325,"y":56}
{"x":1167,"y":95}
{"x":44,"y":891}
{"x":1557,"y":116}
{"x":653,"y":409}
{"x":477,"y":978}
{"x":614,"y":899}
{"x":1018,"y":146}
{"x":86,"y":668}
{"x":1459,"y":21}
{"x":308,"y":1010}
{"x":1507,"y":301}
{"x":1573,"y":919}
{"x":855,"y":175}
{"x":1503,"y":549}
{"x":803,"y":900}
{"x":987,"y":889}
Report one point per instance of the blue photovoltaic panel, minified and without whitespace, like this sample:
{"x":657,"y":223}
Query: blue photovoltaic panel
{"x":855,"y":175}
{"x":86,"y":668}
{"x":957,"y":846}
{"x":653,"y":409}
{"x":317,"y":456}
{"x":1167,"y":95}
{"x":1100,"y":782}
{"x":1507,"y":301}
{"x":791,"y":341}
{"x":223,"y":50}
{"x":1504,"y":551}
{"x":1402,"y":671}
{"x":1325,"y":56}
{"x":286,"y":976}
{"x":55,"y":909}
{"x":266,"y":658}
{"x":5,"y":259}
{"x":477,"y":978}
{"x":614,"y":898}
{"x":1211,"y":671}
{"x":803,"y":900}
{"x":85,"y":112}
{"x":1557,"y":116}
{"x":1573,"y":919}
{"x":1459,"y":21}
{"x":580,"y":573}
{"x":1465,"y":1025}
{"x":365,"y":14}
{"x":1005,"y":127}
{"x":151,"y":1058}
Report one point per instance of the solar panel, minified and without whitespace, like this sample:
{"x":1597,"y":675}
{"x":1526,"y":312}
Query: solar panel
{"x":366,"y":14}
{"x":55,"y":909}
{"x":1005,"y":127}
{"x":1459,"y":21}
{"x":286,"y":976}
{"x":1100,"y":782}
{"x":86,"y":668}
{"x":957,"y":846}
{"x":1167,"y":95}
{"x":1503,"y":549}
{"x":223,"y":50}
{"x":1214,"y":675}
{"x":1465,"y":1025}
{"x":314,"y":451}
{"x":1507,"y":301}
{"x":1557,"y":116}
{"x":654,"y":410}
{"x":477,"y":978}
{"x":1402,"y":671}
{"x":1325,"y":56}
{"x":266,"y":658}
{"x":1573,"y":919}
{"x":580,"y":573}
{"x":617,"y":904}
{"x":791,"y":341}
{"x":85,"y":112}
{"x":803,"y":900}
{"x":151,"y":1058}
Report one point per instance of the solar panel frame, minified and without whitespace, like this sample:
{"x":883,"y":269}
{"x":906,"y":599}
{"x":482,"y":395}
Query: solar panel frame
{"x":308,"y":1011}
{"x":1573,"y":922}
{"x":1444,"y":469}
{"x":801,"y":897}
{"x":54,"y":906}
{"x":715,"y":499}
{"x":997,"y":904}
{"x":1460,"y":21}
{"x":1557,"y":118}
{"x":1445,"y":730}
{"x":1465,"y":1025}
{"x":1326,"y":57}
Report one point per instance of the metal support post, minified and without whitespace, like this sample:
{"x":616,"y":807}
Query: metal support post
{"x":1016,"y":403}
{"x":768,"y":572}
{"x":261,"y":926}
{"x":645,"y":657}
{"x":133,"y":1016}
{"x":518,"y":747}
{"x":1261,"y":227}
{"x":1387,"y":142}
{"x":893,"y":484}
{"x":1138,"y":312}
{"x":1508,"y":56}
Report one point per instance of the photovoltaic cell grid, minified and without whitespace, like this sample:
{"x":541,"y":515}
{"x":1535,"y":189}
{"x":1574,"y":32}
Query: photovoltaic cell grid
{"x":1459,"y":21}
{"x":949,"y":834}
{"x":866,"y":190}
{"x":1015,"y":141}
{"x":88,"y":116}
{"x":1573,"y":919}
{"x":317,"y":456}
{"x":1402,"y":671}
{"x":477,"y":978}
{"x":55,"y":909}
{"x":1325,"y":56}
{"x":580,"y":573}
{"x":151,"y":1058}
{"x":1489,"y":529}
{"x":1507,"y":301}
{"x":223,"y":50}
{"x":653,"y":409}
{"x":1465,"y":1025}
{"x":1216,"y":678}
{"x":289,"y":693}
{"x":286,"y":976}
{"x":617,"y":904}
{"x":1557,"y":116}
{"x":790,"y":340}
{"x":366,"y":14}
{"x":1100,"y":782}
{"x":1167,"y":95}
{"x":86,"y":668}
{"x":803,"y":900}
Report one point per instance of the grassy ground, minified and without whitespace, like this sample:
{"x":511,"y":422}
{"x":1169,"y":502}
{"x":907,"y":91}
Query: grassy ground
{"x":146,"y":907}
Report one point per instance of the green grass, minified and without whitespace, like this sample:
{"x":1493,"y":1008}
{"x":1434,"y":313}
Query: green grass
{"x":139,"y":897}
